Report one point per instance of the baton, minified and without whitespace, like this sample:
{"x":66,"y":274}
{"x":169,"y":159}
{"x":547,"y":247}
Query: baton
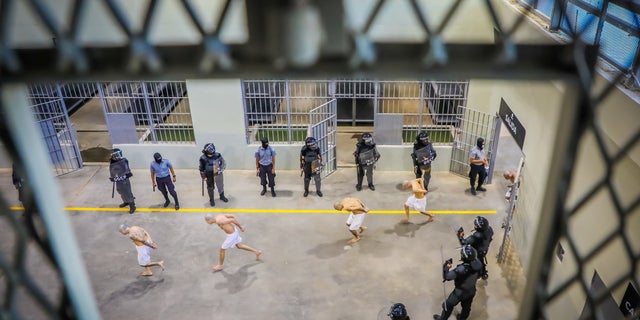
{"x":202,"y":187}
{"x":113,"y":189}
{"x":444,"y":290}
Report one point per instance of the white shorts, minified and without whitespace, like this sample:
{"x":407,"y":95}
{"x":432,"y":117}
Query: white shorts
{"x":144,"y":255}
{"x":231,"y":240}
{"x":417,"y":204}
{"x":355,"y":221}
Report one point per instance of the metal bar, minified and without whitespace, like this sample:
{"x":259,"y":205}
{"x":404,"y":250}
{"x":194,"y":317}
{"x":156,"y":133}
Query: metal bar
{"x":76,"y":149}
{"x":147,"y":106}
{"x":466,"y":61}
{"x":49,"y":200}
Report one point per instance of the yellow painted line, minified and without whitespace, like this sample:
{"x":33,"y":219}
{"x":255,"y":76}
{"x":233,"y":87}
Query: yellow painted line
{"x":310,"y":211}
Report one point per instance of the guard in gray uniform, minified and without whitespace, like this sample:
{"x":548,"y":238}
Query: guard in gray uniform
{"x":311,"y":164}
{"x":423,"y":154}
{"x":464,"y":276}
{"x":366,"y":155}
{"x":212,"y":165}
{"x":479,"y":240}
{"x":478,"y":162}
{"x":120,"y":174}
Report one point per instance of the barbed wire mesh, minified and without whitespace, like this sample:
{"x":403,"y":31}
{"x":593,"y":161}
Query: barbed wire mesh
{"x":350,"y":54}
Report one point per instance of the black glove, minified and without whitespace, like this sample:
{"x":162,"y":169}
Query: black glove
{"x":110,"y":179}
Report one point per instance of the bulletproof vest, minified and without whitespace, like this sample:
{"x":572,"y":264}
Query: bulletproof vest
{"x":212,"y":164}
{"x":119,"y":168}
{"x":424,"y":152}
{"x":310,"y":155}
{"x":485,"y":240}
{"x":467,"y":274}
{"x":366,"y":156}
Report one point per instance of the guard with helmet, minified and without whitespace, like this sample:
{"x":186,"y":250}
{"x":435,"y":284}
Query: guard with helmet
{"x":212,"y":166}
{"x":119,"y":174}
{"x":398,"y":312}
{"x":465,"y":276}
{"x":311,"y":164}
{"x":479,"y":240}
{"x":366,"y":155}
{"x":423,"y":154}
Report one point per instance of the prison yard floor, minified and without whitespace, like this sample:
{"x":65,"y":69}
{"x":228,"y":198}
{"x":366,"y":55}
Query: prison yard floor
{"x":307,"y":269}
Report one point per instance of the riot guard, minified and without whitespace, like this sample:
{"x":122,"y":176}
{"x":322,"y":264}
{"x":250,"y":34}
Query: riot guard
{"x":366,"y":156}
{"x":311,"y":164}
{"x":119,"y":174}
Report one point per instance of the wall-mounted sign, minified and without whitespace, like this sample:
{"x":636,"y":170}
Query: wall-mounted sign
{"x":630,"y":302}
{"x":514,"y":125}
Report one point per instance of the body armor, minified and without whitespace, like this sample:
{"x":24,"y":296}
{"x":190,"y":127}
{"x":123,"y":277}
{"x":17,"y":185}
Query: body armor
{"x":424,"y":152}
{"x":367,"y":158}
{"x":119,"y":170}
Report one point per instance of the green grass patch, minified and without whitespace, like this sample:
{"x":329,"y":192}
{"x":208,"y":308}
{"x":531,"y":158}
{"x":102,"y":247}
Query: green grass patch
{"x":281,"y":135}
{"x":173,"y":135}
{"x":436,"y":136}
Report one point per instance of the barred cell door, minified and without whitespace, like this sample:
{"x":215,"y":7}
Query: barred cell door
{"x":323,"y":121}
{"x":471,"y":124}
{"x":50,"y":112}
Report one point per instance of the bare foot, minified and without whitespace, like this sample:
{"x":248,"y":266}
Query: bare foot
{"x":258,"y":254}
{"x":161,"y":264}
{"x":354,"y":240}
{"x":146,"y":274}
{"x":362,"y":229}
{"x":430,"y":219}
{"x":217,"y":268}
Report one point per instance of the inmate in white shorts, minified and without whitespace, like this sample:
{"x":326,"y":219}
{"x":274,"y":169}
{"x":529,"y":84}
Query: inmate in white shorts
{"x":232,"y":240}
{"x":417,"y":204}
{"x":144,"y":255}
{"x":355,"y":221}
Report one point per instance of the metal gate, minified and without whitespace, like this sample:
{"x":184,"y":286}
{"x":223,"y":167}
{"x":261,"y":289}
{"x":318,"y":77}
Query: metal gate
{"x":50,"y":110}
{"x":323,"y":121}
{"x":472,"y":124}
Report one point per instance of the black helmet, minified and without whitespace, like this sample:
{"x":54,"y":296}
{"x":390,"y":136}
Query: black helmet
{"x":481,"y":223}
{"x":116,"y":154}
{"x":311,"y":143}
{"x":468,"y":253}
{"x":423,"y":137}
{"x":209,"y":149}
{"x":398,"y":312}
{"x":367,"y":138}
{"x":480,"y":142}
{"x":157,"y":157}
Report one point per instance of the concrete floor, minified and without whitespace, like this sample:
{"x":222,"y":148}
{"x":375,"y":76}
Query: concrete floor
{"x":307,"y":270}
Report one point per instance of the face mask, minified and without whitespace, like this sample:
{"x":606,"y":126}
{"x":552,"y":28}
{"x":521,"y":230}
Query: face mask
{"x":265,"y":145}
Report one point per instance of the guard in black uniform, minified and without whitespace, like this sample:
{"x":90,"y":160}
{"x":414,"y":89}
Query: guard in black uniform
{"x":398,"y":312}
{"x":212,"y":165}
{"x":423,"y":154}
{"x":465,"y":276}
{"x":119,"y":174}
{"x":479,"y":240}
{"x":366,"y":155}
{"x":311,"y":164}
{"x":18,"y":183}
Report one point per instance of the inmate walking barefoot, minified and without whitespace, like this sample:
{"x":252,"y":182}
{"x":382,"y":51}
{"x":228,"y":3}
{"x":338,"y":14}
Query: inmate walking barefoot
{"x":417,"y":200}
{"x":357,"y":211}
{"x":144,"y":244}
{"x":230,"y":225}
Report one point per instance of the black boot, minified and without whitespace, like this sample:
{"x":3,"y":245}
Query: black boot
{"x":264,"y":190}
{"x":166,"y":201}
{"x":223,"y":198}
{"x":319,"y":193}
{"x":273,"y":192}
{"x":124,"y":204}
{"x":306,"y":192}
{"x":212,"y":202}
{"x":132,"y":208}
{"x":177,"y":203}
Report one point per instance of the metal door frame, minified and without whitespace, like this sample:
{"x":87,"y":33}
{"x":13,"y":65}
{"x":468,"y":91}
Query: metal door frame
{"x":472,"y":124}
{"x":323,"y":121}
